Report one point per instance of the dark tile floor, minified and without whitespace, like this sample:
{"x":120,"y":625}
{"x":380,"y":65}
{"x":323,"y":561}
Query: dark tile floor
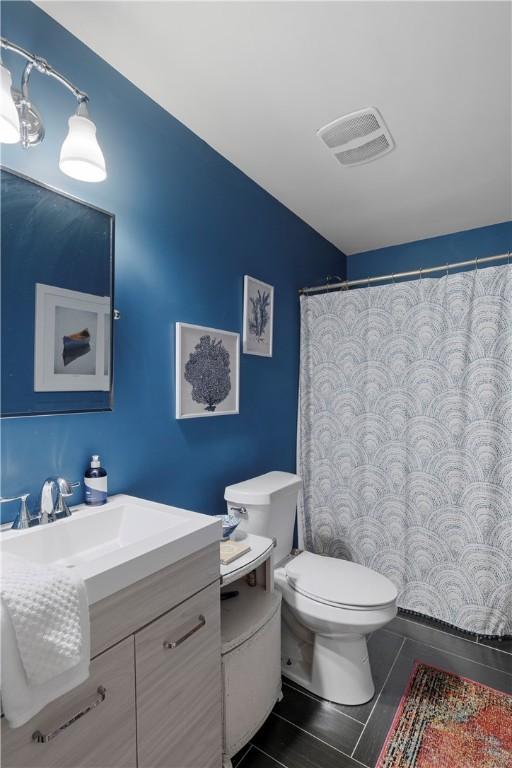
{"x":306,"y":732}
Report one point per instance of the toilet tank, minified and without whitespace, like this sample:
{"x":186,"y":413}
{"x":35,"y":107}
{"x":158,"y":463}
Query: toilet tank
{"x":270,"y":502}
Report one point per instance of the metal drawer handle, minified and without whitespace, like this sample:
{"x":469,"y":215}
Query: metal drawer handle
{"x":201,"y":621}
{"x":44,"y":738}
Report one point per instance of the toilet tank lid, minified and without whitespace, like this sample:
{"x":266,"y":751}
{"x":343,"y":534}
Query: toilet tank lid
{"x":263,"y":489}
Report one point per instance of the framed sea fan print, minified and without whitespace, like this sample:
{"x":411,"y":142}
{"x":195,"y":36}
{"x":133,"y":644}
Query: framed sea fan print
{"x":258,"y":322}
{"x":207,"y":371}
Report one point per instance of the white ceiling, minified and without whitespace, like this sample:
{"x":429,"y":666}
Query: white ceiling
{"x":257,"y":79}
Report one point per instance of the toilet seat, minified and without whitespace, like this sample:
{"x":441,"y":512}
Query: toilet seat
{"x":339,"y":583}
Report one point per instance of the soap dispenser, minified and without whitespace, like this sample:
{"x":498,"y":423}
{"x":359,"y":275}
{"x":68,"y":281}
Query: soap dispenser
{"x":95,"y":482}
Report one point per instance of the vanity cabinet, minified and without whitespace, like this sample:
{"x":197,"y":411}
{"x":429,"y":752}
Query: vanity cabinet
{"x":104,"y":736}
{"x":178,"y":673}
{"x":155,"y":681}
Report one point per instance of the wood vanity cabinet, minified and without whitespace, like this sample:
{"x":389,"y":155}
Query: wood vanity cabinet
{"x":104,"y":737}
{"x":155,"y":681}
{"x":178,"y":673}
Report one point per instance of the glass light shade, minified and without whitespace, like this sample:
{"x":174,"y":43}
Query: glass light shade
{"x":9,"y":120}
{"x":80,"y":155}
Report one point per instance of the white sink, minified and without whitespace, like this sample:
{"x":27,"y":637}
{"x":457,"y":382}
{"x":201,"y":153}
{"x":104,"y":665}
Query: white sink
{"x":117,"y":544}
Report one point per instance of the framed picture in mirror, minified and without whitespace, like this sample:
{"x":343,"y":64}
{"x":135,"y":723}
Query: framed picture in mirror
{"x":72,"y":341}
{"x":57,"y":280}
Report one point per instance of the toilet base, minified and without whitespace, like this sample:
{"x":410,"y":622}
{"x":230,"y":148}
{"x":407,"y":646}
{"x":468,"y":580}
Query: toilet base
{"x":341,"y":669}
{"x":335,"y":668}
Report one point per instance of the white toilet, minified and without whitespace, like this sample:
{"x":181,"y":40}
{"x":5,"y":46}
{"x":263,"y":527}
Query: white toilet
{"x":329,"y":605}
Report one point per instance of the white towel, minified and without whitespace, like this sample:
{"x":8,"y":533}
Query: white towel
{"x":45,"y":635}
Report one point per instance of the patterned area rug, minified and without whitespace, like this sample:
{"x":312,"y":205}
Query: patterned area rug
{"x":447,"y":721}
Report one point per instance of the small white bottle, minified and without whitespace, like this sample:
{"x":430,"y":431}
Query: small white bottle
{"x":95,"y":482}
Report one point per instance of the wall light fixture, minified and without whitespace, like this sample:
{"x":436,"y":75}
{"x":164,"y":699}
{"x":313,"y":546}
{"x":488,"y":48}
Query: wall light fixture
{"x":80,"y":155}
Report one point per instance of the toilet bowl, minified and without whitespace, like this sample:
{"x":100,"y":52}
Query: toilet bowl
{"x":329,"y":606}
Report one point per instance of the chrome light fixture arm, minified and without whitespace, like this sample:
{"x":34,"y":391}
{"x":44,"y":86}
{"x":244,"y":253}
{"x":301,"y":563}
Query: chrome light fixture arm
{"x":43,"y":67}
{"x":81,"y":156}
{"x":31,"y":124}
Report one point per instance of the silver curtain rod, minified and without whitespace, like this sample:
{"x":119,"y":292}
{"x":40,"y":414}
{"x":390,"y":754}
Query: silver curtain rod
{"x":413,"y":273}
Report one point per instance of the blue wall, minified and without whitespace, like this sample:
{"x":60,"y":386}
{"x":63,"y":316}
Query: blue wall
{"x":434,"y":251}
{"x":188,"y":226}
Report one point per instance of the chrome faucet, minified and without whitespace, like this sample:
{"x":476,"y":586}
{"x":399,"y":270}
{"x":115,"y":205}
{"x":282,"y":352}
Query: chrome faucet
{"x":23,"y":519}
{"x":53,"y":503}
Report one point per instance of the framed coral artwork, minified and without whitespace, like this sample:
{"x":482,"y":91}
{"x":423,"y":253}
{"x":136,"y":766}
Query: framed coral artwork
{"x":258,"y":317}
{"x":207,"y":371}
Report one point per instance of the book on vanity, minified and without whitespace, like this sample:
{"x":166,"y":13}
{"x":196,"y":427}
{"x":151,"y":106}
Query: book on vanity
{"x":232,"y":550}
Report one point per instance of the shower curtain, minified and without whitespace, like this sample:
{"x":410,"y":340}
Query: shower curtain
{"x":405,"y":440}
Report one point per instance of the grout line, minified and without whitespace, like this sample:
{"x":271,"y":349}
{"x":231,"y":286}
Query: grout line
{"x":378,"y":697}
{"x":270,"y":756}
{"x":355,"y":760}
{"x":459,"y":656}
{"x":239,"y":762}
{"x":332,"y":705}
{"x":450,"y":635}
{"x":337,"y":709}
{"x":312,"y":735}
{"x":394,"y":632}
{"x":485,"y":643}
{"x":437,"y":629}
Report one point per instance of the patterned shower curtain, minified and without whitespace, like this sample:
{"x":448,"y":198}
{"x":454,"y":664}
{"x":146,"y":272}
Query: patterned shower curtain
{"x":405,"y":439}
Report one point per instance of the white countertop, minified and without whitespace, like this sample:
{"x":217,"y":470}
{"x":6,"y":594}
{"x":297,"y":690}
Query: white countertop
{"x":116,"y":544}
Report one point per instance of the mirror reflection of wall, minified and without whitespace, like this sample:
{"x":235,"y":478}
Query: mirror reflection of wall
{"x":56,"y":303}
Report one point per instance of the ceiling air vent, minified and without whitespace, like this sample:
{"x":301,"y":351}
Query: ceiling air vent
{"x":357,"y":138}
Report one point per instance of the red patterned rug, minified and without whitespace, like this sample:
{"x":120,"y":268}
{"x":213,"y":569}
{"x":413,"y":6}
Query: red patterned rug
{"x":447,"y":721}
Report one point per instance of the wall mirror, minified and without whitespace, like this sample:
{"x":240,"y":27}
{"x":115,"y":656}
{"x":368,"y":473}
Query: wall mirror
{"x":57,"y":301}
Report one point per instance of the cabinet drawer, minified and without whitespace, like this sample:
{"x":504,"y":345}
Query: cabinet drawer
{"x":178,"y":686}
{"x":102,"y":738}
{"x":124,"y":612}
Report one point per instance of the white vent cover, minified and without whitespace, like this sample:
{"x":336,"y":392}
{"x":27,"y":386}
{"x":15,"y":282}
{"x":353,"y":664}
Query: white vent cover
{"x":357,"y":138}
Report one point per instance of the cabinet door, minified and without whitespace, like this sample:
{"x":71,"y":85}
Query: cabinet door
{"x":177,"y":659}
{"x":103,"y":736}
